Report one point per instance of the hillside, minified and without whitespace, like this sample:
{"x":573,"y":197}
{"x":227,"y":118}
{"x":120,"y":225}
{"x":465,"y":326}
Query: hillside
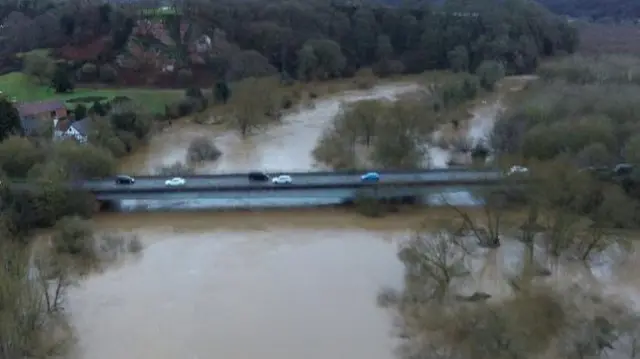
{"x":205,"y":42}
{"x":615,"y":10}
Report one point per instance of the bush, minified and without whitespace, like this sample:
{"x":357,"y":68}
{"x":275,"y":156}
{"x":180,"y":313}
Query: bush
{"x":388,"y":68}
{"x":121,"y":98}
{"x":490,"y":72}
{"x":184,"y":76}
{"x":194,"y":92}
{"x":202,"y":149}
{"x":176,"y":169}
{"x":287,"y":103}
{"x":86,"y":99}
{"x":365,"y":79}
{"x":30,"y":312}
{"x":74,"y":237}
{"x":80,"y":112}
{"x":98,"y":108}
{"x":88,"y":72}
{"x":61,"y":82}
{"x":107,"y":73}
{"x":369,"y":206}
{"x":221,"y":92}
{"x":187,"y":106}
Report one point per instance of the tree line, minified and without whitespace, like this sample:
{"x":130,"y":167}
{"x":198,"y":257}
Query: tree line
{"x":617,"y":10}
{"x":438,"y":315}
{"x":310,"y":40}
{"x":583,"y":110}
{"x":578,"y":118}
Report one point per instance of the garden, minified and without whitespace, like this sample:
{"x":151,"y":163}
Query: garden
{"x":23,"y":88}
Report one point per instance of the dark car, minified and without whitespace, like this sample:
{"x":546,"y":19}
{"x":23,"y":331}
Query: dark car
{"x":258,"y":176}
{"x":124,"y":179}
{"x":623,"y":169}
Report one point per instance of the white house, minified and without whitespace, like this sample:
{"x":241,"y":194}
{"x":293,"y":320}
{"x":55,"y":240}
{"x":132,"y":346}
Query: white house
{"x":78,"y":130}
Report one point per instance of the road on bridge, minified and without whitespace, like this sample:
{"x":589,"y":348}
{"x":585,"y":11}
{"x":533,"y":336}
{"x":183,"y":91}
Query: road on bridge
{"x":300,"y":180}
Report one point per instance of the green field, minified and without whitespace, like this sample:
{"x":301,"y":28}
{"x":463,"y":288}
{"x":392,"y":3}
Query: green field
{"x":20,"y":87}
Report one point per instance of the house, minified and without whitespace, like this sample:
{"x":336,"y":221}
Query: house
{"x":44,"y":110}
{"x":31,"y":126}
{"x":78,"y":130}
{"x":36,"y":117}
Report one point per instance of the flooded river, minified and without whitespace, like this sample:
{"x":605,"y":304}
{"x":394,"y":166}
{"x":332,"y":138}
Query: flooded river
{"x":269,"y":285}
{"x":275,"y":285}
{"x":281,"y":148}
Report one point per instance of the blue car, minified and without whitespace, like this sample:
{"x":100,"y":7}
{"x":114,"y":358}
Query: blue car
{"x":370,"y":177}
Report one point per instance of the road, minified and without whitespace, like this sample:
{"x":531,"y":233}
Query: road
{"x":300,"y":180}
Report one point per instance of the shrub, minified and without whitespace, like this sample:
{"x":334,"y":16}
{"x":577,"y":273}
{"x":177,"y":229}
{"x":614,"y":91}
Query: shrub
{"x":184,"y":76}
{"x":175,"y":169}
{"x":61,"y":82}
{"x":98,"y":108}
{"x":369,"y":206}
{"x":187,"y":106}
{"x":365,"y":79}
{"x":287,"y":103}
{"x":202,"y":149}
{"x":221,"y":92}
{"x":194,"y":92}
{"x":73,"y":238}
{"x":88,"y":72}
{"x":80,"y":112}
{"x":107,"y":73}
{"x":490,"y":72}
{"x":86,"y":99}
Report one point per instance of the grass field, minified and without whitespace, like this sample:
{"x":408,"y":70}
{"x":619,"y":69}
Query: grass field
{"x":19,"y":86}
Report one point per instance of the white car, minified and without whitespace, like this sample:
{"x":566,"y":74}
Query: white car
{"x":176,"y":181}
{"x":517,"y":169}
{"x":282,"y":179}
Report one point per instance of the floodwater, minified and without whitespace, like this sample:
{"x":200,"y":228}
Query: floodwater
{"x":275,"y":285}
{"x":286,"y":147}
{"x":270,"y":285}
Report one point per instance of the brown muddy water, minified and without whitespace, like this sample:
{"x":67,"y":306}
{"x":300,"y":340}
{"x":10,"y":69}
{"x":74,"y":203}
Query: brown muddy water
{"x":276,"y":284}
{"x":280,"y":148}
{"x":285,"y":147}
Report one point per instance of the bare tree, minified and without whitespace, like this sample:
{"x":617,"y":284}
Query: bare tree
{"x":432,"y":261}
{"x":598,"y":327}
{"x":29,"y":328}
{"x":55,"y":277}
{"x":252,"y":104}
{"x":202,"y":149}
{"x":488,"y":228}
{"x":175,"y":169}
{"x":390,"y":135}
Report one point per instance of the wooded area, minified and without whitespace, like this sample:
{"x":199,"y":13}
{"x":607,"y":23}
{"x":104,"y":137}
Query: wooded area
{"x":303,"y":40}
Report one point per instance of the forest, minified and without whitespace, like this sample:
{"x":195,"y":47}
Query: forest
{"x":311,"y":40}
{"x":612,"y":10}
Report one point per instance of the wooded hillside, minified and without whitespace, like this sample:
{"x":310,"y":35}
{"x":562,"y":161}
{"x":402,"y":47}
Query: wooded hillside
{"x":616,"y":10}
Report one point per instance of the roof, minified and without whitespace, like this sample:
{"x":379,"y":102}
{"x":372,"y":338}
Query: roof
{"x":82,"y":126}
{"x":30,"y":125}
{"x":63,"y":125}
{"x":34,"y":108}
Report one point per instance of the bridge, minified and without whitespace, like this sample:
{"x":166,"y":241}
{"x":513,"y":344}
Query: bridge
{"x":304,"y":183}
